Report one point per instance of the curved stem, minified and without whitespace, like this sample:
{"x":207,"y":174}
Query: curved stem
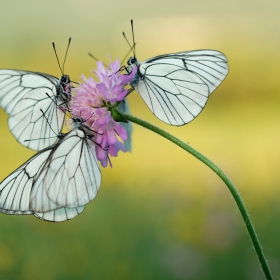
{"x":222,"y":175}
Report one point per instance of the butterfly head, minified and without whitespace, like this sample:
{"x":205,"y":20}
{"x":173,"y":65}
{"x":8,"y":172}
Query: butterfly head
{"x":132,"y":61}
{"x":64,"y":81}
{"x":77,"y":121}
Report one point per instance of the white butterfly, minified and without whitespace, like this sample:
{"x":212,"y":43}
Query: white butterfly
{"x":176,"y":86}
{"x":57,"y":182}
{"x":23,"y":95}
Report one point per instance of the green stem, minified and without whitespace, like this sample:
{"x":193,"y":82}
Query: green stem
{"x":222,"y":175}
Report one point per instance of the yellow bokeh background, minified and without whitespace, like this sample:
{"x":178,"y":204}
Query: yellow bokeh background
{"x":160,"y":213}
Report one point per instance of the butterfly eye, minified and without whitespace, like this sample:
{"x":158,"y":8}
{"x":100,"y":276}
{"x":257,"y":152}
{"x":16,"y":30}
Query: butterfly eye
{"x":77,"y":120}
{"x":131,"y":61}
{"x":64,"y":80}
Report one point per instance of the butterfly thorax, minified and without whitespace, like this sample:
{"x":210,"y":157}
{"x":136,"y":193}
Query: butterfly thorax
{"x":64,"y":92}
{"x":64,"y":88}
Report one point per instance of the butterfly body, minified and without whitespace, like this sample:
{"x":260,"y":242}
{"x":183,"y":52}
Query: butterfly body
{"x":63,"y":90}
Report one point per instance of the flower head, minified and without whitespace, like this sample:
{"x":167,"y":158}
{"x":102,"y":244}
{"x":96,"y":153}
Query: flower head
{"x":93,"y":102}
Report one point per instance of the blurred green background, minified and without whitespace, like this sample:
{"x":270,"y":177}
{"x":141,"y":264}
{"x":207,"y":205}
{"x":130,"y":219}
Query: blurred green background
{"x":160,"y":214}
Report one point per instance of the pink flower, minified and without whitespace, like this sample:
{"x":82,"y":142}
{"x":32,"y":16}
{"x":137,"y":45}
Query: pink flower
{"x":112,"y":82}
{"x":93,"y":102}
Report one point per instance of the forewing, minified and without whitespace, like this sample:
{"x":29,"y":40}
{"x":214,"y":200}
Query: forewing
{"x":23,"y":95}
{"x":16,"y":188}
{"x":71,"y":178}
{"x":176,"y":86}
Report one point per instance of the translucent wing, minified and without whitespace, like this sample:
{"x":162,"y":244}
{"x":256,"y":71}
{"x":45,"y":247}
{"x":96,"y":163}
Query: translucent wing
{"x":23,"y":95}
{"x":16,"y":188}
{"x":71,"y":178}
{"x":176,"y":86}
{"x":56,"y":183}
{"x":60,"y":215}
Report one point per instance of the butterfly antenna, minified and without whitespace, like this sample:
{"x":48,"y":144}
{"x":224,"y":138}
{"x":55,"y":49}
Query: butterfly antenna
{"x":36,"y":139}
{"x":69,"y":41}
{"x":89,"y":117}
{"x":44,"y":115}
{"x":96,"y":59}
{"x":84,"y":121}
{"x":52,"y":99}
{"x":133,"y":38}
{"x":129,"y":44}
{"x":57,"y":58}
{"x":93,"y":57}
{"x":124,"y":59}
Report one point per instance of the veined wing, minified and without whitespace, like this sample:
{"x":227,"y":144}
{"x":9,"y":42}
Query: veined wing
{"x":60,"y":215}
{"x":23,"y":95}
{"x":16,"y":190}
{"x":176,"y":86}
{"x":71,"y":178}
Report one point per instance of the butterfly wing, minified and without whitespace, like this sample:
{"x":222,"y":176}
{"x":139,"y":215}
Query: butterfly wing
{"x":15,"y":191}
{"x":60,"y":215}
{"x":24,"y":95}
{"x":176,"y":86}
{"x":16,"y":188}
{"x":71,"y":178}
